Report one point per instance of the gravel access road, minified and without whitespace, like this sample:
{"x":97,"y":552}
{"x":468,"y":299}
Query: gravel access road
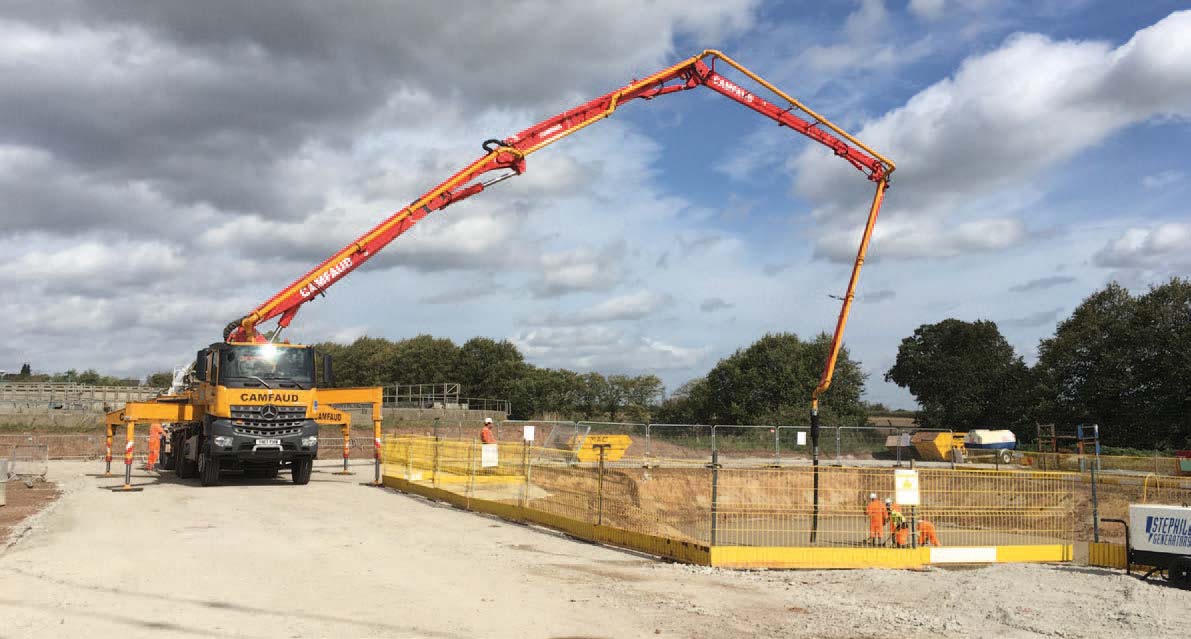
{"x":337,"y":559}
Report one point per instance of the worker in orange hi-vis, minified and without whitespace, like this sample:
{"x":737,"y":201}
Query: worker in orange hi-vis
{"x":876,"y":519}
{"x":486,"y":436}
{"x":926,"y":533}
{"x":893,"y":515}
{"x":155,"y":432}
{"x":901,"y":537}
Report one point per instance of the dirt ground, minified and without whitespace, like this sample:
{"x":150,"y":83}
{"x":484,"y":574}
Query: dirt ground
{"x":23,"y":502}
{"x":337,"y":559}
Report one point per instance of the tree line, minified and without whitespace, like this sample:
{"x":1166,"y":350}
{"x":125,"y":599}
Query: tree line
{"x":90,"y":377}
{"x":770,"y":382}
{"x":1120,"y":360}
{"x":487,"y":368}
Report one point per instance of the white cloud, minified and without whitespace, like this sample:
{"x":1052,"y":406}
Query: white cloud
{"x":604,"y":348}
{"x":630,"y":307}
{"x":712,"y":304}
{"x":928,"y":9}
{"x":1163,"y":179}
{"x":577,"y":270}
{"x":1164,"y":247}
{"x":999,"y":122}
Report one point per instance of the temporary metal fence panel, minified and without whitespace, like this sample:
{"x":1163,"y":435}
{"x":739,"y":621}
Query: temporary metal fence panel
{"x":73,"y":446}
{"x":29,"y":461}
{"x":679,"y":441}
{"x":748,"y":507}
{"x":1074,"y":462}
{"x":774,"y":507}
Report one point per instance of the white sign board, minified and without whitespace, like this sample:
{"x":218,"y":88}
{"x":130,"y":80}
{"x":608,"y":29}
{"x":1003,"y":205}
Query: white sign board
{"x":802,"y":438}
{"x":489,"y":456}
{"x":905,"y":487}
{"x":527,"y":433}
{"x":1165,"y":529}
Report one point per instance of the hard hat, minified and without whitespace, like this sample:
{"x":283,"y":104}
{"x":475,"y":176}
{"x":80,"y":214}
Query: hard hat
{"x":888,"y":500}
{"x":872,"y":495}
{"x":487,"y":420}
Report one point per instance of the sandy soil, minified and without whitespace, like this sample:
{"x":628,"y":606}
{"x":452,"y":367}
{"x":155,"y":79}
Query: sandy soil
{"x":22,"y":502}
{"x":336,"y":559}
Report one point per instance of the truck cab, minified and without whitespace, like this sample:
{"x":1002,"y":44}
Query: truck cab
{"x":256,"y":406}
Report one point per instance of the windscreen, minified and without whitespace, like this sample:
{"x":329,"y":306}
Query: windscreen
{"x":268,"y":362}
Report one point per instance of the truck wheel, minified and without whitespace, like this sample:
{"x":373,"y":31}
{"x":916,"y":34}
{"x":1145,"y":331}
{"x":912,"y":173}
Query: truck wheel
{"x":301,"y":469}
{"x":183,"y":468}
{"x":208,"y":470}
{"x":1179,"y":573}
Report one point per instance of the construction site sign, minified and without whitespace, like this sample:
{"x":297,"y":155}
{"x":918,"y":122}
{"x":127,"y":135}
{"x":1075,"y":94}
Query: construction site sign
{"x":527,"y":433}
{"x":489,"y":456}
{"x":905,"y":487}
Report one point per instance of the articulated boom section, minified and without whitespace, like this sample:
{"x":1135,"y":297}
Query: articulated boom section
{"x":508,"y":158}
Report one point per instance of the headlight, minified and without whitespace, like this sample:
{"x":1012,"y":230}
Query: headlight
{"x":223,"y":441}
{"x":310,"y":442}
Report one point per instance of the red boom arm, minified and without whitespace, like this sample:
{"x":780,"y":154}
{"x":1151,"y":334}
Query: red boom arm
{"x":509,"y":155}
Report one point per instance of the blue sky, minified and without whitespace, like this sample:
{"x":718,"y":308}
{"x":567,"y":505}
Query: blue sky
{"x":168,"y":169}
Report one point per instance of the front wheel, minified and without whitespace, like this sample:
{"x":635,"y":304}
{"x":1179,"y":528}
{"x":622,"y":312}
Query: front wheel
{"x":301,"y":469}
{"x":208,"y":470}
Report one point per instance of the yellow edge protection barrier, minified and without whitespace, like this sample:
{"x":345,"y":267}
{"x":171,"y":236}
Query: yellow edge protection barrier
{"x":1034,"y":554}
{"x":682,"y":551}
{"x":789,"y":557}
{"x":1106,"y":555}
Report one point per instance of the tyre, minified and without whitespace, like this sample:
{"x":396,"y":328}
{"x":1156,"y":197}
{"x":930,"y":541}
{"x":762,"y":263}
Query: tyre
{"x":167,"y":459}
{"x":1005,"y":456}
{"x":301,"y":469}
{"x":208,"y":470}
{"x":1179,"y":573}
{"x":183,"y":467}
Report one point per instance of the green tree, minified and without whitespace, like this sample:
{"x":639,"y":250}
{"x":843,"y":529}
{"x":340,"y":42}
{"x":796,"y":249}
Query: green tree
{"x":1123,"y":362}
{"x":160,"y":379}
{"x":592,"y":391}
{"x":26,"y":371}
{"x":964,"y":375}
{"x":771,"y":381}
{"x":488,"y":368}
{"x":685,"y":405}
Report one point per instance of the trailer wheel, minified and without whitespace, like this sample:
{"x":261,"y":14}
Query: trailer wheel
{"x":208,"y":470}
{"x":1179,"y":573}
{"x":301,"y":468}
{"x":1005,"y":456}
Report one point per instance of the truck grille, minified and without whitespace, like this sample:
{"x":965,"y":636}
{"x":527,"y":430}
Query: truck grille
{"x":268,"y":419}
{"x":266,"y":432}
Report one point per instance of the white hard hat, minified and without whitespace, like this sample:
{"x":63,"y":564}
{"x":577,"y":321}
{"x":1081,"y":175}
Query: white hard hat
{"x":487,"y":420}
{"x":888,"y":500}
{"x":872,"y":495}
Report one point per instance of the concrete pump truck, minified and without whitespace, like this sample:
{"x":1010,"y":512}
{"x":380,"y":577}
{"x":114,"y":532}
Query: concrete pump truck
{"x":252,"y":401}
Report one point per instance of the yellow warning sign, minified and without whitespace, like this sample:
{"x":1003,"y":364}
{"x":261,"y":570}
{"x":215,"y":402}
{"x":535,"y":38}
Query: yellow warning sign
{"x":616,"y":447}
{"x":905,"y":487}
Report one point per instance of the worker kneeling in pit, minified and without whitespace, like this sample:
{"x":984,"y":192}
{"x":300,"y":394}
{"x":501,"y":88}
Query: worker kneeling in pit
{"x":926,"y":534}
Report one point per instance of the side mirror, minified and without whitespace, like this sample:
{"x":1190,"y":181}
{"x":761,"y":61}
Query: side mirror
{"x":328,"y":376}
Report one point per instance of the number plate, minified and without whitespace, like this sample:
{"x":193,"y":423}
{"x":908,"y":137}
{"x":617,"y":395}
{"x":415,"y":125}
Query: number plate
{"x":262,"y":443}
